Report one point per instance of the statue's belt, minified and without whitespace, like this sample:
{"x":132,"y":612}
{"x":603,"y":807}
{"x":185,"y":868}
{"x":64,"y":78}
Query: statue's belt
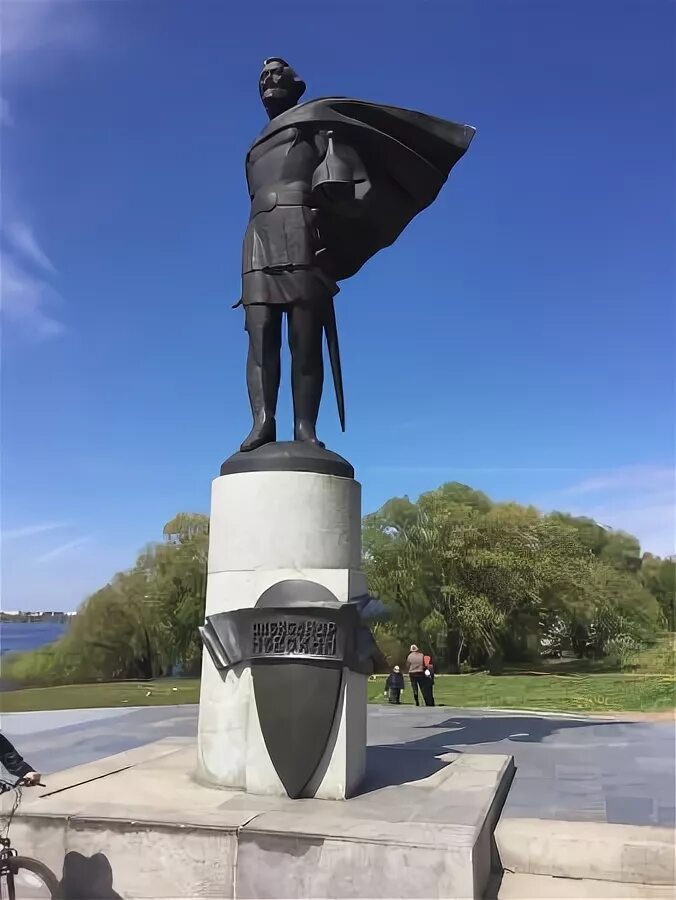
{"x":264,"y":201}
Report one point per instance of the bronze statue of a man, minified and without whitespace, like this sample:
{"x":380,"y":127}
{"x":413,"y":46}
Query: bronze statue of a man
{"x":331,"y":182}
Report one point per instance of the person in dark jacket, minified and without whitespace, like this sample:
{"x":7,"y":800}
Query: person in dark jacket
{"x":394,"y":685}
{"x":427,"y":685}
{"x":15,"y":764}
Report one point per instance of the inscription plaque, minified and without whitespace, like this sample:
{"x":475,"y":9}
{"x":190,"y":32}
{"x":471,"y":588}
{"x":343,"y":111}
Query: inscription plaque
{"x":306,"y":637}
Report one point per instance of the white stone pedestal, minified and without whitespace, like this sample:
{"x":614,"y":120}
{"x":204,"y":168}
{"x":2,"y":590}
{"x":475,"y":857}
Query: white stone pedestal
{"x":268,"y":527}
{"x":162,"y":836}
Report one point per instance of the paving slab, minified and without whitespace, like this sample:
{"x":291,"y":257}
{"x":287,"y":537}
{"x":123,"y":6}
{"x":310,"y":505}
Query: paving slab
{"x":598,"y":851}
{"x":544,"y":887}
{"x":620,"y":769}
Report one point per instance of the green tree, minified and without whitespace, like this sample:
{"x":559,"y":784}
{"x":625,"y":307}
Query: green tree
{"x":659,"y":577}
{"x":180,"y":583}
{"x":622,"y":551}
{"x":592,"y":536}
{"x":502,"y":578}
{"x":141,"y":624}
{"x":118,"y":631}
{"x":483,"y":568}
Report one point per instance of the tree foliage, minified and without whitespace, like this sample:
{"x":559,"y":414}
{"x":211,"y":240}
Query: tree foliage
{"x":495,"y":580}
{"x":143,"y":624}
{"x":658,"y":576}
{"x":475,"y":582}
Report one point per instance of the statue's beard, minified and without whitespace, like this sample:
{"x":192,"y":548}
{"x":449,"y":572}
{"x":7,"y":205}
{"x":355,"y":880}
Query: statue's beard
{"x":277,"y":100}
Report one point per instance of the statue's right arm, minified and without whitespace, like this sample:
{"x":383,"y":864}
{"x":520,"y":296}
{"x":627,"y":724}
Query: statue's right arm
{"x":246,"y":175}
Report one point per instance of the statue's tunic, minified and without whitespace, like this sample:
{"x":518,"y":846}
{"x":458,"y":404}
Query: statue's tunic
{"x":279,"y":257}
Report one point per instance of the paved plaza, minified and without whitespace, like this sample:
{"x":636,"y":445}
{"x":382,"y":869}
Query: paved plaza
{"x":574,"y":768}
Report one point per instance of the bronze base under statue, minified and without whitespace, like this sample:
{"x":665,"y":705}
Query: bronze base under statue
{"x":289,"y":456}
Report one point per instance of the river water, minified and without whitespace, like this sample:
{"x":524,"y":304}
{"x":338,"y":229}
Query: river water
{"x":20,"y":636}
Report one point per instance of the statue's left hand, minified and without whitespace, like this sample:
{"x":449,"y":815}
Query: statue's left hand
{"x":339,"y":179}
{"x":336,"y":193}
{"x":338,"y":198}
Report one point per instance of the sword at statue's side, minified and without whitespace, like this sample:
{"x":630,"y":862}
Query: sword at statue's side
{"x":334,"y":182}
{"x":334,"y":357}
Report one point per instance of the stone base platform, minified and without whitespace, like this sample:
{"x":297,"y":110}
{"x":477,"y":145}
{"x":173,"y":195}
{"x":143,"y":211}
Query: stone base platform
{"x":137,"y":825}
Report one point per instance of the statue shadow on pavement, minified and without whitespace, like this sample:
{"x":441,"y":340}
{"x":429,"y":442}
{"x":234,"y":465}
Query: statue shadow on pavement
{"x":492,"y":729}
{"x":388,"y":765}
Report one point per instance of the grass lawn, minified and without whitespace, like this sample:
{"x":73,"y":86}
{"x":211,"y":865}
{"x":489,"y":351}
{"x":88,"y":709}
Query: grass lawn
{"x":562,"y":693}
{"x":164,"y":692}
{"x":648,"y":684}
{"x":572,"y":693}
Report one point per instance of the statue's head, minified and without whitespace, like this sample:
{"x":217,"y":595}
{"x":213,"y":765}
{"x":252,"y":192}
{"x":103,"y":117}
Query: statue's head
{"x":279,"y":86}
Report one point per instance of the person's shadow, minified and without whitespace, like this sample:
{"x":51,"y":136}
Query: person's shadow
{"x":87,"y":878}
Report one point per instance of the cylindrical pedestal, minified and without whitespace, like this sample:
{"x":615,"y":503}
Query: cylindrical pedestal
{"x":268,"y":527}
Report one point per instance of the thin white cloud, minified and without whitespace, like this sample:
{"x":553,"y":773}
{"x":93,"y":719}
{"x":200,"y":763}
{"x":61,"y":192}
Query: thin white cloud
{"x":452,"y":470}
{"x":38,"y":37}
{"x":62,"y":550}
{"x":638,"y":499}
{"x":47,"y":29}
{"x":626,"y":478}
{"x":6,"y":117}
{"x":24,"y":242}
{"x":25,"y":531}
{"x":27,"y":301}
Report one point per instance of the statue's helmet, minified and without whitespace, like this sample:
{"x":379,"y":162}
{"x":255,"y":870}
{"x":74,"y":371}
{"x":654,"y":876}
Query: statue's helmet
{"x":279,"y":85}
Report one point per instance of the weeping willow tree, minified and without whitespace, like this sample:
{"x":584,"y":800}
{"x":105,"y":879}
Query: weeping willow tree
{"x":489,"y":577}
{"x":141,"y":625}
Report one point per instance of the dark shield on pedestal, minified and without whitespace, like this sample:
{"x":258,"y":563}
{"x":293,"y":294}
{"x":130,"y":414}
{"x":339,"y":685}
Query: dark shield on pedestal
{"x":296,"y":703}
{"x":298,"y":640}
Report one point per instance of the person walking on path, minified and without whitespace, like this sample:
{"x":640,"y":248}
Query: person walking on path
{"x":415,"y":664}
{"x":394,"y":685}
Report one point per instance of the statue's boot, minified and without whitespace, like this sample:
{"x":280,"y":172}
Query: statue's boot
{"x":264,"y":431}
{"x":306,"y":399}
{"x":263,"y":386}
{"x":306,"y":330}
{"x":304,"y":430}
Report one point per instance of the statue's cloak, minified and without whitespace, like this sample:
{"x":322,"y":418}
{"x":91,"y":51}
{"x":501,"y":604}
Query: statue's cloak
{"x":397,"y":159}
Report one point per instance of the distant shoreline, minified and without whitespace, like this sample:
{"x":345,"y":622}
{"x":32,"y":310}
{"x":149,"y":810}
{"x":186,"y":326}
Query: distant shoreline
{"x":57,"y":618}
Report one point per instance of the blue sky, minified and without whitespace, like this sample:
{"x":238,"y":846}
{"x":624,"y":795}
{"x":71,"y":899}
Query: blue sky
{"x":518,"y":337}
